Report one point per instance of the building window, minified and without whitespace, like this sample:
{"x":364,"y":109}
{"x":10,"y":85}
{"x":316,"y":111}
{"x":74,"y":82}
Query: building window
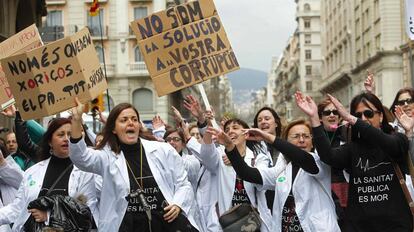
{"x":308,"y":69}
{"x":140,"y":12}
{"x":138,"y":55}
{"x":99,"y":51}
{"x":307,"y":23}
{"x":54,"y":18}
{"x":306,"y":7}
{"x":143,"y":99}
{"x":308,"y":38}
{"x":308,"y":54}
{"x":378,"y":42}
{"x":309,"y":86}
{"x":93,"y":23}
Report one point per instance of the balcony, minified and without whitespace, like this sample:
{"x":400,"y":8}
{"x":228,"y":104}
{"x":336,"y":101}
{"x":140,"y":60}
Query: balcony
{"x":138,"y":68}
{"x":55,"y":2}
{"x":110,"y":69}
{"x":96,"y":32}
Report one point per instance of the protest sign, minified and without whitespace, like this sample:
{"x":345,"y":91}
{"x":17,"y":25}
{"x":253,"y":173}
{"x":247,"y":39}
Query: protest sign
{"x":409,"y":18}
{"x":25,"y":40}
{"x":184,"y":45}
{"x":46,"y":80}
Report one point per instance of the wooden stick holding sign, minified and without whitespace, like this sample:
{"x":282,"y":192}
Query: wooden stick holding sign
{"x":207,"y":103}
{"x":184,"y":45}
{"x":45,"y":80}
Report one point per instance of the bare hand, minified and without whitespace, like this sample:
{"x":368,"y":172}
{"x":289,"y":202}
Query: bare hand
{"x":2,"y":160}
{"x":77,"y":111}
{"x":177,"y":116}
{"x":38,"y":215}
{"x":226,"y":160}
{"x":221,"y":137}
{"x":192,"y":104}
{"x":256,"y":134}
{"x":406,"y":121}
{"x":172,"y":212}
{"x":223,"y":121}
{"x":9,"y":111}
{"x":157,"y":122}
{"x":306,"y":104}
{"x":342,"y":111}
{"x":369,"y":83}
{"x":102,"y":118}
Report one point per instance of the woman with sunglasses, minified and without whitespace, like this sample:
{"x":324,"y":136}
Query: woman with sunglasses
{"x":404,"y":99}
{"x":144,"y":184}
{"x":329,"y":117}
{"x":301,"y":182}
{"x":376,"y":201}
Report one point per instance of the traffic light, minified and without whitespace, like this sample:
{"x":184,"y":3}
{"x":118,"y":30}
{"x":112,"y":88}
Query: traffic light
{"x":98,"y":103}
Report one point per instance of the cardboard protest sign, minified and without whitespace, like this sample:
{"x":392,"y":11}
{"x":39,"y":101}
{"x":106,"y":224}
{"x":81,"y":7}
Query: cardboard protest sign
{"x":184,"y":45}
{"x":46,"y":80}
{"x":25,"y":40}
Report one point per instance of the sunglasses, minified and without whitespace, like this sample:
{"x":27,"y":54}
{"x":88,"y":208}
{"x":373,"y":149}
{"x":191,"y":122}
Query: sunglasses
{"x":405,"y":102}
{"x":329,"y":112}
{"x":366,"y":113}
{"x":175,"y":139}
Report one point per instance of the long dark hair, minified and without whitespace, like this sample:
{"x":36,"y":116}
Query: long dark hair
{"x":408,"y":90}
{"x":44,"y":147}
{"x":275,"y":116}
{"x":364,"y":98}
{"x":109,"y":137}
{"x":256,"y":147}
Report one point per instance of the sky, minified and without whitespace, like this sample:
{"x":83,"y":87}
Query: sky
{"x":257,"y":29}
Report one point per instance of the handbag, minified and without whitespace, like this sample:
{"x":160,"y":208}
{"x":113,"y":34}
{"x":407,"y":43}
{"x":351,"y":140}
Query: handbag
{"x":243,"y":217}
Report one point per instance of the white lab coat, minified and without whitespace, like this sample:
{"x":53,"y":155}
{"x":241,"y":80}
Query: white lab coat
{"x":212,"y":158}
{"x":10,"y":178}
{"x":166,"y":166}
{"x":80,"y":183}
{"x":206,"y":196}
{"x":314,"y":205}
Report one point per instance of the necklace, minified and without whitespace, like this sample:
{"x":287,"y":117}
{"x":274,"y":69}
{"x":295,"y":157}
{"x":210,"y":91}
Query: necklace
{"x":133,"y":175}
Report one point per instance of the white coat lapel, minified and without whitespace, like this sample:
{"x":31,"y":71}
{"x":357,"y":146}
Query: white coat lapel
{"x":35,"y":181}
{"x":120,"y":162}
{"x":151,"y":153}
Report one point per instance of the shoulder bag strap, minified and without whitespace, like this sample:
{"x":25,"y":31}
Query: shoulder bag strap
{"x":58,"y":179}
{"x":404,"y":187}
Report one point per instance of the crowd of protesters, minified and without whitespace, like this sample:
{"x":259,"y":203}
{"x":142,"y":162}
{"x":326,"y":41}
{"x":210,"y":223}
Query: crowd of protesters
{"x":332,"y":170}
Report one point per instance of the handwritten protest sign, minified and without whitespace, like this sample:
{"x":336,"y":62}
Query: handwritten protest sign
{"x":184,"y":45}
{"x":25,"y":40}
{"x":45,"y":80}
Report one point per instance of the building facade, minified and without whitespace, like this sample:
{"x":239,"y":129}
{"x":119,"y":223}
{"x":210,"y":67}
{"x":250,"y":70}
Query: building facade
{"x":360,"y":36}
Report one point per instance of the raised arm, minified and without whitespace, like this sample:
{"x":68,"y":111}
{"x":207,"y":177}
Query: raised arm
{"x":10,"y":173}
{"x":209,"y":154}
{"x":86,"y":159}
{"x":339,"y":157}
{"x":23,"y":139}
{"x":296,"y":155}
